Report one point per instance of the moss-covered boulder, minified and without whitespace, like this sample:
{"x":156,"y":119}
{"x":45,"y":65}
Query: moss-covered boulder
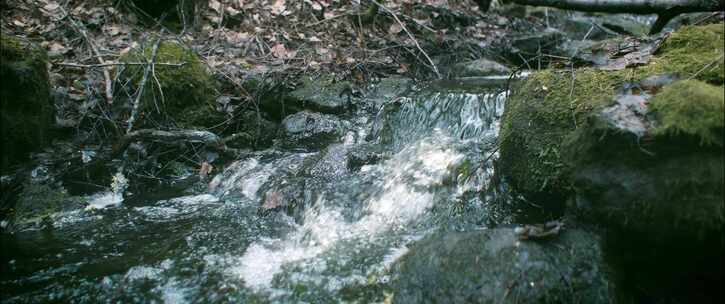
{"x":640,"y":152}
{"x":188,"y":87}
{"x":547,"y":107}
{"x":27,"y":112}
{"x":493,"y":266}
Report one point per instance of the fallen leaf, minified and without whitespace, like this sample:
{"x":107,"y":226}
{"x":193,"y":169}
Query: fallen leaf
{"x":395,"y":29}
{"x":280,"y":51}
{"x":205,"y":169}
{"x":278,"y":7}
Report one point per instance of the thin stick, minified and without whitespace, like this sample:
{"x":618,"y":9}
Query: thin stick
{"x":706,"y":67}
{"x":435,"y":69}
{"x":86,"y":66}
{"x":106,"y":74}
{"x":142,"y":85}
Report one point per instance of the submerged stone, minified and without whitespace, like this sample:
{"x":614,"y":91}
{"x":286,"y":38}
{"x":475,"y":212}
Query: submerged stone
{"x":493,"y":266}
{"x":27,"y":112}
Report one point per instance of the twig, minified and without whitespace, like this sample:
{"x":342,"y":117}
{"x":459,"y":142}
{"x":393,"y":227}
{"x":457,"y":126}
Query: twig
{"x":206,"y":138}
{"x":433,"y":66}
{"x":328,"y":19}
{"x":79,"y":65}
{"x":106,"y":74}
{"x":706,"y":67}
{"x":142,"y":85}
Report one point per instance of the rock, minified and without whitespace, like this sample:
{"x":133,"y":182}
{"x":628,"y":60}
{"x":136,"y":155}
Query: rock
{"x":310,"y":130}
{"x":323,"y":95}
{"x":651,"y":172}
{"x":641,"y":156}
{"x":38,"y":204}
{"x":479,"y":68}
{"x":27,"y":110}
{"x":364,"y":154}
{"x":188,"y":88}
{"x":547,"y":107}
{"x":493,"y":266}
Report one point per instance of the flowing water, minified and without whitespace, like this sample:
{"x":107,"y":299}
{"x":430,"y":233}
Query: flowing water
{"x":334,"y":235}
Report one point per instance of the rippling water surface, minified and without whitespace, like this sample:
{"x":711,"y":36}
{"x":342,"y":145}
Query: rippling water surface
{"x":338,"y":240}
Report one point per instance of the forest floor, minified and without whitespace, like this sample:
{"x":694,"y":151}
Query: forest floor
{"x":239,"y":40}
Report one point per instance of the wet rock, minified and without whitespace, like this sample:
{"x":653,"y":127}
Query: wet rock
{"x":493,"y":266}
{"x":479,"y":68}
{"x":323,"y":95}
{"x":364,"y":154}
{"x":309,"y":130}
{"x":39,"y":203}
{"x":188,"y":91}
{"x":27,"y":111}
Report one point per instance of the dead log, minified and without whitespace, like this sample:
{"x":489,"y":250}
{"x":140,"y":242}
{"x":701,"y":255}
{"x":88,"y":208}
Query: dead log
{"x":665,"y":9}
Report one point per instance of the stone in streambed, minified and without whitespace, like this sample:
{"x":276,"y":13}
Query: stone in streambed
{"x":493,"y":266}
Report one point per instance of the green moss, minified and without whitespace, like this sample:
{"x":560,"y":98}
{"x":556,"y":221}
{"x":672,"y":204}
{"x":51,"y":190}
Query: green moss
{"x":544,"y":109}
{"x":692,"y":51}
{"x":25,"y":94}
{"x":181,"y":87}
{"x":691,"y":107}
{"x":38,"y":202}
{"x":540,"y":115}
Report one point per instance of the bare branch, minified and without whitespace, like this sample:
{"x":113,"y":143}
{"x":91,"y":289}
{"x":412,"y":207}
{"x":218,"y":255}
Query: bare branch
{"x":142,"y":85}
{"x":433,"y":65}
{"x":87,"y":66}
{"x":106,"y":74}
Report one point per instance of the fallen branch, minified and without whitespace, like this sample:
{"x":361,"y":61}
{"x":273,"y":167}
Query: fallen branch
{"x":79,"y":27}
{"x":142,"y":85}
{"x":205,"y":138}
{"x":666,"y":9}
{"x":433,"y":65}
{"x":85,"y":66}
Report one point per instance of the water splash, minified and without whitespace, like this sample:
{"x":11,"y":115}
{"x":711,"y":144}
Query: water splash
{"x":406,"y":192}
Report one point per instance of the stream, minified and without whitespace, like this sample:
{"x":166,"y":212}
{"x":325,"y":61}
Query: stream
{"x":341,"y":215}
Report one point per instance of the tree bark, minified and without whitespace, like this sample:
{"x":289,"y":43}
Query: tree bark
{"x":666,"y":9}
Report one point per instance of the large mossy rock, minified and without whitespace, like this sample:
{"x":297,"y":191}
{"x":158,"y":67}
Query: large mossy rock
{"x":184,"y":88}
{"x":27,"y":112}
{"x":640,"y":151}
{"x":493,"y":266}
{"x":547,"y":107}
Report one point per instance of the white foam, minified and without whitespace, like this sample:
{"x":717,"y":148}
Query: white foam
{"x":405,"y":196}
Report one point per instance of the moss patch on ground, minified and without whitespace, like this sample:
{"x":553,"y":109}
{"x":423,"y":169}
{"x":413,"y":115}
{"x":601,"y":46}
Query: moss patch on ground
{"x":25,"y":95}
{"x":547,"y":107}
{"x":178,"y":87}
